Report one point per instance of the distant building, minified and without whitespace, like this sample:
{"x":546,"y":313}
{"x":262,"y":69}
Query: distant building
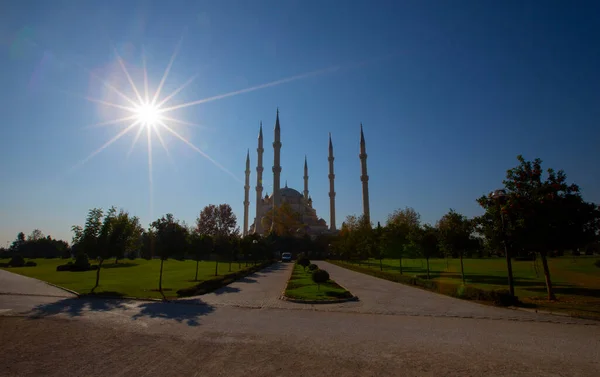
{"x":289,"y":202}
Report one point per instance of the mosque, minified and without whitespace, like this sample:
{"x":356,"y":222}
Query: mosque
{"x":289,"y":202}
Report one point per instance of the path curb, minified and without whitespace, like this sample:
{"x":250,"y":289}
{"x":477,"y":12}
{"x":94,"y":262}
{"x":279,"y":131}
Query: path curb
{"x":63,"y":288}
{"x":559,"y":314}
{"x":313,"y":302}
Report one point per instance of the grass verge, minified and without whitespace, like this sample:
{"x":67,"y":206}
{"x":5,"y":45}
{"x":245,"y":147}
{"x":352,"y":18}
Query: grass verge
{"x":301,"y":287}
{"x":582,"y":302}
{"x":139,"y":278}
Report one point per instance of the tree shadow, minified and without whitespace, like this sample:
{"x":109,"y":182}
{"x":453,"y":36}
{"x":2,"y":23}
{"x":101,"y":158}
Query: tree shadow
{"x":75,"y":307}
{"x":248,"y":279}
{"x":226,"y":289}
{"x":570,"y":290}
{"x":119,"y":265}
{"x":183,"y":311}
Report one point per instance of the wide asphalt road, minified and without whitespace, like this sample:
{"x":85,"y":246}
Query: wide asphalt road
{"x":224,"y":334}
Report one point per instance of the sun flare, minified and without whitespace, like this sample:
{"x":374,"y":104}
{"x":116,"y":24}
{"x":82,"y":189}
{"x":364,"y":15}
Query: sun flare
{"x":148,"y":115}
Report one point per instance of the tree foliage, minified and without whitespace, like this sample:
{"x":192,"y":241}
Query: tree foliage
{"x":543,"y":213}
{"x":217,"y":221}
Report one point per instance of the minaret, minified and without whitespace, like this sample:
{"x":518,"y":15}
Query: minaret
{"x":259,"y":186}
{"x":305,"y":179}
{"x":276,"y":162}
{"x":247,"y":193}
{"x":331,"y":187}
{"x":364,"y":178}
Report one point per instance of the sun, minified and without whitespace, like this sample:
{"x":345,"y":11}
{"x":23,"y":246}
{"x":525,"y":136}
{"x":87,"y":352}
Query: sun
{"x":148,"y":115}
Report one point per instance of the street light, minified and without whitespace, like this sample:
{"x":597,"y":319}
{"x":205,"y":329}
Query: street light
{"x":500,"y":197}
{"x":254,"y":243}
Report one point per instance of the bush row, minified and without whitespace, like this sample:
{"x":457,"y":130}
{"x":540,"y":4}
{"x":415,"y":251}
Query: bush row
{"x":18,"y":261}
{"x":498,"y":297}
{"x":220,"y":281}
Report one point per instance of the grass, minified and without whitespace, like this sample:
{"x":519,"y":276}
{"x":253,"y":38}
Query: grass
{"x":133,"y":278}
{"x":576,"y":280}
{"x":301,"y":287}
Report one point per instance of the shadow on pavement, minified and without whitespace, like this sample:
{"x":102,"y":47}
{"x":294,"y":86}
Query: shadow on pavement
{"x":75,"y":307}
{"x":183,"y":311}
{"x":226,"y":289}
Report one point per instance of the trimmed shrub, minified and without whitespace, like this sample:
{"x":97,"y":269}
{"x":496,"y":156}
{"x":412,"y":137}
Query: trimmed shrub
{"x":17,"y":261}
{"x":597,"y":263}
{"x":30,"y":264}
{"x":304,"y":262}
{"x":82,"y":263}
{"x":320,"y":277}
{"x":313,"y":267}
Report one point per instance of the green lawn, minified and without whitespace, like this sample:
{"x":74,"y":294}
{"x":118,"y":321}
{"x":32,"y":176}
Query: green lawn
{"x":576,"y":280}
{"x":134,"y":278}
{"x":300,"y":286}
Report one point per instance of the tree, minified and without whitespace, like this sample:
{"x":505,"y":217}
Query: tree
{"x":125,"y":234}
{"x":398,"y":227}
{"x":283,"y":220}
{"x":36,"y":235}
{"x":455,"y":236}
{"x":217,"y":221}
{"x":201,"y":245}
{"x":545,"y":214}
{"x":425,"y":240}
{"x":171,"y":238}
{"x":303,"y":261}
{"x":319,"y":277}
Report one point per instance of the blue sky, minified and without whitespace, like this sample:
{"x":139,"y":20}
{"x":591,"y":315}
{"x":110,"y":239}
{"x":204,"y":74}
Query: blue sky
{"x":449,"y":93}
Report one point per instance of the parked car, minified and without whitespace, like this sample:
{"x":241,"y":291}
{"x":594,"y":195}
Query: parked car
{"x":286,"y":257}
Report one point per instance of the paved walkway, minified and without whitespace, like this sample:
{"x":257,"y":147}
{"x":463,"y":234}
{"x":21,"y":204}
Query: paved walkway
{"x":258,"y":290}
{"x":379,"y":296}
{"x":15,"y":284}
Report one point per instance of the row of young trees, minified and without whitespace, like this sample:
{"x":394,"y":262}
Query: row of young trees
{"x":116,"y":234}
{"x":533,"y":214}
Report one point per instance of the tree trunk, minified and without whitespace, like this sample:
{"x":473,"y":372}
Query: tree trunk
{"x":462,"y":268}
{"x":217,"y":267}
{"x":116,"y":260}
{"x":551,"y":296}
{"x":196,"y":278}
{"x":428,"y":277}
{"x":447,"y":263}
{"x":160,"y":276}
{"x":380,"y":264}
{"x":229,"y":266}
{"x":511,"y":284}
{"x":98,"y":275}
{"x":400,"y":260}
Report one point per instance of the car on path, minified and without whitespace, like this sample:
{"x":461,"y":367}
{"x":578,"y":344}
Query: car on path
{"x":286,"y":257}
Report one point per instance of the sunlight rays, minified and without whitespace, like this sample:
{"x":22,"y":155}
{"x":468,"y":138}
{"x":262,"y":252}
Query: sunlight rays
{"x":149,"y":114}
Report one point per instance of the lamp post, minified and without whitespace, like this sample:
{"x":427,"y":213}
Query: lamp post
{"x":254,"y":243}
{"x":500,"y":197}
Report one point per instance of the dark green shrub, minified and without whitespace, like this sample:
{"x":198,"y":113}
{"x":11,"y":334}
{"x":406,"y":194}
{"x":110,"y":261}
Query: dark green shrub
{"x":597,"y":263}
{"x":313,"y":267}
{"x":30,"y":264}
{"x":4,"y":265}
{"x":304,"y":262}
{"x":320,"y":277}
{"x":82,"y":262}
{"x":17,"y":261}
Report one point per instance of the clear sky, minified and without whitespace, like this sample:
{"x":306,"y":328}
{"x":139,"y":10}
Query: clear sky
{"x":449,"y":93}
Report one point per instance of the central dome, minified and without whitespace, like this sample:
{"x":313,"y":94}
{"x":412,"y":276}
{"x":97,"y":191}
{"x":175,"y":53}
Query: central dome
{"x":290,"y":193}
